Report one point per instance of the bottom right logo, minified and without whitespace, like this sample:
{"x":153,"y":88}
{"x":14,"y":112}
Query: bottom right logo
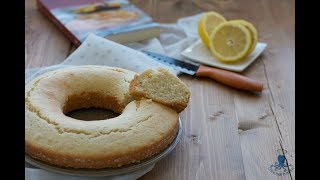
{"x":281,"y":166}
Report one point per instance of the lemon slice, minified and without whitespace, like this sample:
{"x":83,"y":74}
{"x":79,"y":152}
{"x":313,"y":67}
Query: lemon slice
{"x":207,"y":23}
{"x":253,"y":31}
{"x":230,"y":41}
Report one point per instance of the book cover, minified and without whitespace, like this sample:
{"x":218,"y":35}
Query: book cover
{"x":117,"y":20}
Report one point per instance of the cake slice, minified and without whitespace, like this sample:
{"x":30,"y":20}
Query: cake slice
{"x":161,"y":86}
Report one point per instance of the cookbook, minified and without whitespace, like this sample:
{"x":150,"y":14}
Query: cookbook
{"x":116,"y":20}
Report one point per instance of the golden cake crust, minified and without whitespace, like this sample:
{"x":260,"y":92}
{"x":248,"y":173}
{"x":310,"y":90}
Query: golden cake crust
{"x":143,"y":128}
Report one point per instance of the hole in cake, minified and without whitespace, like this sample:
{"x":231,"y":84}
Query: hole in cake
{"x":88,"y":114}
{"x":92,"y":106}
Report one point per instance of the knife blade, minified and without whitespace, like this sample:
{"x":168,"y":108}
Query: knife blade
{"x":225,"y":77}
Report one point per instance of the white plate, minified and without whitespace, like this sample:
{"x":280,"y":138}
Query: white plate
{"x":199,"y":53}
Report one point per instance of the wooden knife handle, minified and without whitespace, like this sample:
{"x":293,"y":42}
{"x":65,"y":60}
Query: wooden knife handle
{"x":230,"y":78}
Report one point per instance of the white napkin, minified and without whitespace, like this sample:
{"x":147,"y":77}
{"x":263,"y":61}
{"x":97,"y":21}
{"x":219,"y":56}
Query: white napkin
{"x":96,"y":50}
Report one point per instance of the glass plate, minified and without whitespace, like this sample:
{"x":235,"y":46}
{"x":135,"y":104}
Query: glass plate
{"x":109,"y":171}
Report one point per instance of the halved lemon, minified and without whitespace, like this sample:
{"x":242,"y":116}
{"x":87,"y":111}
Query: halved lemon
{"x":207,"y":23}
{"x":230,"y":41}
{"x":253,"y":31}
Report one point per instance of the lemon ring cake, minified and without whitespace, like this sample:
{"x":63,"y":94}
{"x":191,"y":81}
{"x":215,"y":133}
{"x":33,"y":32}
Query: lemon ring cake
{"x":142,"y":129}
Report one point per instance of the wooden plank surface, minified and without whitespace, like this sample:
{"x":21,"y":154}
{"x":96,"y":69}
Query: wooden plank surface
{"x":228,"y":134}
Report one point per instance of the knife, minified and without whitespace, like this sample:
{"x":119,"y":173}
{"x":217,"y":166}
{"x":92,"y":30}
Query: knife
{"x":225,"y":77}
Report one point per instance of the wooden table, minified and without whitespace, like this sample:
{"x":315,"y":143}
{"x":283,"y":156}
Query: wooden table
{"x":228,"y":134}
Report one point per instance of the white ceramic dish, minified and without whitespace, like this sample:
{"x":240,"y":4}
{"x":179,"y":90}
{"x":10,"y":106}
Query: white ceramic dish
{"x":197,"y":52}
{"x":147,"y":163}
